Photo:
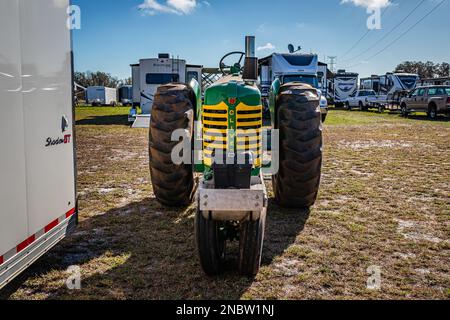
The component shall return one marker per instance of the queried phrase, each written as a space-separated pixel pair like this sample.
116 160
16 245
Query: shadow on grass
146 251
439 118
104 120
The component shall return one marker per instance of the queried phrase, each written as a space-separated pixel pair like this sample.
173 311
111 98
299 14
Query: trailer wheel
173 184
296 185
251 246
211 243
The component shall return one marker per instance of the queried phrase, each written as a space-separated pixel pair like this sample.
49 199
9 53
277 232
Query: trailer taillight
448 100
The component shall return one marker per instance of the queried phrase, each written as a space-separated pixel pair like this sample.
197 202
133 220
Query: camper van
37 164
344 85
149 74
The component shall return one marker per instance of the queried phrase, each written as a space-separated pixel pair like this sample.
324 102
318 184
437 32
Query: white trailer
101 96
136 82
37 163
344 85
390 88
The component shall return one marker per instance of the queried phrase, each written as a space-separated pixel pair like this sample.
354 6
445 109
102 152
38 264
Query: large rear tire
210 244
299 120
251 246
173 109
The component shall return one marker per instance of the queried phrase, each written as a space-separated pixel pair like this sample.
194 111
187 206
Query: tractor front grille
216 129
249 131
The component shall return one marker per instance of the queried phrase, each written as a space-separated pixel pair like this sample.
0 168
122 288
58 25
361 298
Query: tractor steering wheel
237 65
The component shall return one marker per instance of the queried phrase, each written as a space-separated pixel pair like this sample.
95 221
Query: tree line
99 78
425 69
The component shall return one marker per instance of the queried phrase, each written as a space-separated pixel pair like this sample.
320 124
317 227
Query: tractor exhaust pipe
250 47
251 62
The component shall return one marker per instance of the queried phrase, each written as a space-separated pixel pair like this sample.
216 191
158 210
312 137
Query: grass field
384 202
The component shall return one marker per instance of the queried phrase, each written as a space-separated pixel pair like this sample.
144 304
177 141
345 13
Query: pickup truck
362 99
433 100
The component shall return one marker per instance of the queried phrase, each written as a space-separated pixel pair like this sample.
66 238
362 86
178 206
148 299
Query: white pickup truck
362 99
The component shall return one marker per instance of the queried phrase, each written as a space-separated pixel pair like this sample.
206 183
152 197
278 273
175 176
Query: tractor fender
274 91
198 98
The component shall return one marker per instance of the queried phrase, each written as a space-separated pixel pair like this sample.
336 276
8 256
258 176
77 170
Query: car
362 99
433 100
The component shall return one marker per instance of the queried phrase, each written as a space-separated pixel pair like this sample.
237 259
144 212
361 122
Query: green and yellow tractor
211 149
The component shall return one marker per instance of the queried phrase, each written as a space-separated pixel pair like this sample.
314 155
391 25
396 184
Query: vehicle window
447 91
414 93
371 93
299 60
311 80
192 75
421 92
161 78
440 91
433 91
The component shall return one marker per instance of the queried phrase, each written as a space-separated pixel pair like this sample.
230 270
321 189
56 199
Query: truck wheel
361 106
173 184
432 112
251 245
296 184
404 111
210 244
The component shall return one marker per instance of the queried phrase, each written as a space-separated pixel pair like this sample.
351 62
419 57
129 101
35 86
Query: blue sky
116 33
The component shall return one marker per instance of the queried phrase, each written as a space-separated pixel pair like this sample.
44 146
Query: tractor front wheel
251 245
211 240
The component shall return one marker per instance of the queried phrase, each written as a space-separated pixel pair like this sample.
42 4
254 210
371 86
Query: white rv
101 96
292 67
37 162
388 86
136 82
149 74
344 85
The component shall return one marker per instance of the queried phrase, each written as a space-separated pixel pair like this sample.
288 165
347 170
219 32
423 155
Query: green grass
337 117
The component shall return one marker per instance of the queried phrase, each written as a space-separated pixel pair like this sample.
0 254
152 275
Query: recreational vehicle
389 87
149 74
293 67
37 164
344 85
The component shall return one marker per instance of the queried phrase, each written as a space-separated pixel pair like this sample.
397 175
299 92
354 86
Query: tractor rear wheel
251 245
296 185
173 106
211 241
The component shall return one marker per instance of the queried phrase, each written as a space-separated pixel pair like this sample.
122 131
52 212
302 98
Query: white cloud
369 4
267 46
180 7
